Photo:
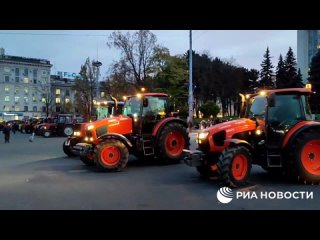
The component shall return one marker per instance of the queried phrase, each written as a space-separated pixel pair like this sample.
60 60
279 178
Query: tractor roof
291 90
151 94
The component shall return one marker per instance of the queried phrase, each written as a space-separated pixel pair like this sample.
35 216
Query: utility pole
190 99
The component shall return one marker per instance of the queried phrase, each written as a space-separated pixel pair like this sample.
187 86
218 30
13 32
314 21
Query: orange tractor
146 129
104 108
276 131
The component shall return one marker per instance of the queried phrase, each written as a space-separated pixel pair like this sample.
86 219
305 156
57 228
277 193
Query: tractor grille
218 138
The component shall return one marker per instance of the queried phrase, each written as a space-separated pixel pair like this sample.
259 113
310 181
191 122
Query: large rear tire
234 166
171 142
111 155
306 155
68 131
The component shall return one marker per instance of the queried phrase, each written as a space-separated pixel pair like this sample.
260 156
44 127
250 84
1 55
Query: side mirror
272 100
145 102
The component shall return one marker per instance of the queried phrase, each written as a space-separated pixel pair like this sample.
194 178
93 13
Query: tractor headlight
90 127
77 134
88 139
203 135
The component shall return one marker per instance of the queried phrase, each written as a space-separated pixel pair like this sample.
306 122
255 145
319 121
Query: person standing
6 131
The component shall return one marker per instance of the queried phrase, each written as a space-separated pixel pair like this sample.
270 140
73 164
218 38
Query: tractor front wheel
306 154
67 146
171 142
111 155
88 160
234 166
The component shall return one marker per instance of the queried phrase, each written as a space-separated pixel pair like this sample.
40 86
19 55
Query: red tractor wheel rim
110 155
240 167
310 157
174 143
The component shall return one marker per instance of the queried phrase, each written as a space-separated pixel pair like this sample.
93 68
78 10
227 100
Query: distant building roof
17 59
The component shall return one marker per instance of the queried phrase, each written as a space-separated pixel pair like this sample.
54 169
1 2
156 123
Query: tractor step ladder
147 145
274 157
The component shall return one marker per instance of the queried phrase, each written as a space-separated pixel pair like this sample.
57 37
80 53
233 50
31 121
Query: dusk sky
67 50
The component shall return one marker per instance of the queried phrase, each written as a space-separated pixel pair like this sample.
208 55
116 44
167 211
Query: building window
16 99
67 92
17 72
34 109
35 81
35 73
43 100
44 73
58 108
17 79
16 90
44 109
7 108
6 78
26 72
67 100
26 100
16 108
57 100
58 91
26 90
6 89
44 81
25 80
34 99
102 94
7 99
7 70
26 108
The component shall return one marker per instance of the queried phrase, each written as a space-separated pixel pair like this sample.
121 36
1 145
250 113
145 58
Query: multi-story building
62 94
308 43
24 86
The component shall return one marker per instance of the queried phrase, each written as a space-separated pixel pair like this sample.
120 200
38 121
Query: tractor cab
146 111
106 108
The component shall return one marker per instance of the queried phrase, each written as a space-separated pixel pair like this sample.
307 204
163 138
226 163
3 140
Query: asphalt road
38 175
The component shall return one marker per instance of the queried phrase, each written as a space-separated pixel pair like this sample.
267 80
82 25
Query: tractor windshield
256 107
104 112
132 106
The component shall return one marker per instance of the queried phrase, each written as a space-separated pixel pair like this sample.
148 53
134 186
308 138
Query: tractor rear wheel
234 166
68 131
111 155
47 134
171 142
306 155
87 160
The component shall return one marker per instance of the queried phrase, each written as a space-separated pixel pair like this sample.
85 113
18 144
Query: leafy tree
281 74
137 51
290 65
85 90
253 76
314 79
266 72
209 108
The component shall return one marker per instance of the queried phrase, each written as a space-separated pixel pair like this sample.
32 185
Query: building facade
24 87
308 43
62 95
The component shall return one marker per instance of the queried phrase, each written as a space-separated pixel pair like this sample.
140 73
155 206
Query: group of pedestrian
9 127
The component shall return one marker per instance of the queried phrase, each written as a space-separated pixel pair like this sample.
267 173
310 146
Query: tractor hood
232 127
119 124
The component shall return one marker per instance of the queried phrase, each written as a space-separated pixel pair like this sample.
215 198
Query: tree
281 74
84 87
210 108
46 95
314 79
253 76
137 51
290 66
299 80
266 72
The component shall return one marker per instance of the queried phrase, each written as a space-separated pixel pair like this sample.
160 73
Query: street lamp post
190 100
97 65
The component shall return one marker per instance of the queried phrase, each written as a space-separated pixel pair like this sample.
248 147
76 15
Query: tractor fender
296 131
239 142
116 136
160 125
